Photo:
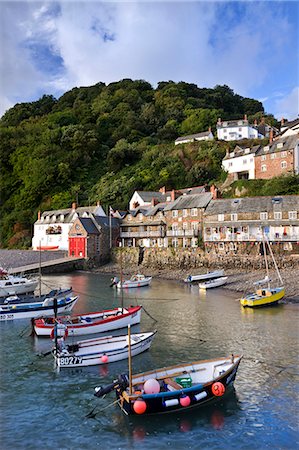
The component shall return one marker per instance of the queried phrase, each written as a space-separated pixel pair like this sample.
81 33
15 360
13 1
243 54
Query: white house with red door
51 230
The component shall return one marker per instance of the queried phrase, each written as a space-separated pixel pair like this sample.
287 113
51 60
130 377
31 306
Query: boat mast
40 270
121 280
130 359
275 263
266 260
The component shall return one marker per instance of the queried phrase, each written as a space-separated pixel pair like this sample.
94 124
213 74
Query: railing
142 234
250 238
181 233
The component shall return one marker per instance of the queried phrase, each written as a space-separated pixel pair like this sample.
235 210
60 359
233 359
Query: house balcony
142 234
250 238
182 233
54 230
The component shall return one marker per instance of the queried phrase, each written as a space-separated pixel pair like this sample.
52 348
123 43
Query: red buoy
139 406
218 389
185 400
104 359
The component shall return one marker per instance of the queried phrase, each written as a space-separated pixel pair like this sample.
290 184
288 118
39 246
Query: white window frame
264 215
194 212
292 215
175 242
273 155
185 225
264 157
175 213
263 168
220 217
185 212
284 164
277 215
234 217
283 154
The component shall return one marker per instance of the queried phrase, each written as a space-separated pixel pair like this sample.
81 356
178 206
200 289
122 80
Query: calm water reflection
42 408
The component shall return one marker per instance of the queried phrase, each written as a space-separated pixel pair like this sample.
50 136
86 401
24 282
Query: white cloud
288 107
153 41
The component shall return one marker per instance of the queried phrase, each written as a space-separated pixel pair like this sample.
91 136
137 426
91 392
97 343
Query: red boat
94 322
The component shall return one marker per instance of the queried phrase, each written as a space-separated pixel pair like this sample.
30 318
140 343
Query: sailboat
265 296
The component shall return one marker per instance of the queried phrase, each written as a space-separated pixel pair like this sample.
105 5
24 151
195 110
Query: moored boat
27 308
174 388
101 350
216 282
204 276
135 281
93 322
15 285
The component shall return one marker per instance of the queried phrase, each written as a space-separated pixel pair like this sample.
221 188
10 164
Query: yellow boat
263 297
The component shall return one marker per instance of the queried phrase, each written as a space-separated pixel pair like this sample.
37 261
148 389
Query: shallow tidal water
45 409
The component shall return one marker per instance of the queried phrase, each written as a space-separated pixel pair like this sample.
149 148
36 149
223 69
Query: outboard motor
114 281
122 382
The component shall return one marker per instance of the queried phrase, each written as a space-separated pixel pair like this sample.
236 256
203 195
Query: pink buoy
139 406
151 386
104 359
185 400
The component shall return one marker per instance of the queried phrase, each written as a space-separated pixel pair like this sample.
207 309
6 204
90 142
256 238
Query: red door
77 246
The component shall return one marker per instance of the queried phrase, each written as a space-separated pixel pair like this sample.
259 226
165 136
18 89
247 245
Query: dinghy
94 322
204 276
175 388
14 285
103 350
135 281
213 283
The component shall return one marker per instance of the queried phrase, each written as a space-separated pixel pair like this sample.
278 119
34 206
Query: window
185 212
240 129
194 212
244 161
230 164
280 145
175 243
264 157
234 217
283 154
220 217
273 155
263 215
283 164
277 215
292 214
185 225
266 149
264 168
175 213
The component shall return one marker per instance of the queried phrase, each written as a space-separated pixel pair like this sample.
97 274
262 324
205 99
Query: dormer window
247 150
47 218
232 154
129 217
168 198
175 213
266 149
54 218
42 218
61 217
240 122
280 145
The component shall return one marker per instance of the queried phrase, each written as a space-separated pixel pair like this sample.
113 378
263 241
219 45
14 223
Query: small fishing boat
216 282
204 276
175 388
32 307
15 285
135 281
94 322
266 296
103 350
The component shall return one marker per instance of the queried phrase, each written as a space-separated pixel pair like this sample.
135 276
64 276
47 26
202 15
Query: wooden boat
204 276
175 388
135 281
32 307
216 282
47 247
94 322
265 296
101 350
15 285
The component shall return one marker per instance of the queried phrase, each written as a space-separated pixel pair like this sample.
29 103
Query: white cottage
234 130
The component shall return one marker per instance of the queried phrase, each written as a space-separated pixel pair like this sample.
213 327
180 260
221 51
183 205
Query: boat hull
204 276
217 282
97 323
128 284
33 310
92 355
258 300
18 289
171 401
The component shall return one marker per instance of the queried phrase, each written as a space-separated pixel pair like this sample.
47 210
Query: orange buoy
185 400
218 389
139 406
104 358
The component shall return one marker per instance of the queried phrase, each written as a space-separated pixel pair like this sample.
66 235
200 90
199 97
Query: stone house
51 230
279 157
229 223
92 237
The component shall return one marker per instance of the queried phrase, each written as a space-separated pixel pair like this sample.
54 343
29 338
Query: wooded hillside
103 142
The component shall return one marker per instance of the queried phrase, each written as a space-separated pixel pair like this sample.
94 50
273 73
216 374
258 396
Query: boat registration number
70 360
6 316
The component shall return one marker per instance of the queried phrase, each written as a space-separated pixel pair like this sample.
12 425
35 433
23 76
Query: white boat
17 308
216 282
14 285
204 276
89 323
135 281
103 350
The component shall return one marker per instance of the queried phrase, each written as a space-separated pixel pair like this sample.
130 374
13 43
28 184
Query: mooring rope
92 414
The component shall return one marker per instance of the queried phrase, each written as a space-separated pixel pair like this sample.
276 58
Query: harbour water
43 408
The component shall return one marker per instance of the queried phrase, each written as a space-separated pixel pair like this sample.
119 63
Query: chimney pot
38 215
282 121
162 190
74 206
245 116
271 136
173 195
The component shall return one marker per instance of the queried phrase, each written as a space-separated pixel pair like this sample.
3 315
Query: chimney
173 195
255 122
162 190
227 151
245 116
219 121
38 215
271 136
74 206
210 129
282 122
98 204
214 191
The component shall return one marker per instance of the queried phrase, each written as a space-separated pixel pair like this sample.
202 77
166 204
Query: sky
51 47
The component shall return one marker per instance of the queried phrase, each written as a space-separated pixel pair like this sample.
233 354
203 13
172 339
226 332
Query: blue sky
51 47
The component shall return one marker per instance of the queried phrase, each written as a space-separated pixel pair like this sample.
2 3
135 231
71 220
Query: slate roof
290 124
88 225
147 196
288 142
67 213
193 136
190 201
105 222
240 151
234 123
253 204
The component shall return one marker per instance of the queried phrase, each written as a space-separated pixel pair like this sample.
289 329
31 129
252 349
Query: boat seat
173 384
